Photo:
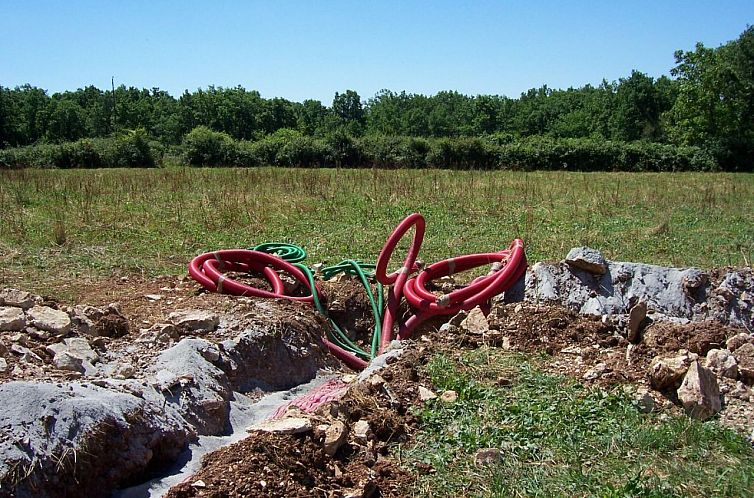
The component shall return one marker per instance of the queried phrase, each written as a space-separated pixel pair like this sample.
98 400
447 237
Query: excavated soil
274 465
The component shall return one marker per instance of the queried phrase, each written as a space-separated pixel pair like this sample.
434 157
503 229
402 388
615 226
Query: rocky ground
121 382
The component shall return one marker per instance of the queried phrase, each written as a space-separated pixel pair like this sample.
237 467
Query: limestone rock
587 259
449 396
722 362
636 317
3 365
596 371
288 425
668 372
75 346
361 431
335 435
51 320
745 357
66 361
425 394
739 340
488 456
475 323
195 320
699 392
16 298
12 319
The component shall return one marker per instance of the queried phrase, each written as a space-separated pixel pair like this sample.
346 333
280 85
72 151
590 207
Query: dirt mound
274 465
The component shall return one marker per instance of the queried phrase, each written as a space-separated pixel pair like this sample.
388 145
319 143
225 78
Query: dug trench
122 396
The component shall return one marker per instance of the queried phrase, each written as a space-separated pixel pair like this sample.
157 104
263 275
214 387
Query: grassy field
63 225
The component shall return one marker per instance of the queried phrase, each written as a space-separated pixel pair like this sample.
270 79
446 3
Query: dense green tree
715 103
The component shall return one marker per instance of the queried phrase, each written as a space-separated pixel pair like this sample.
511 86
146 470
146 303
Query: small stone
199 484
643 401
195 320
668 372
124 371
153 297
3 365
738 340
745 358
361 431
66 361
587 259
488 456
12 319
16 298
699 393
722 362
475 323
596 371
518 308
287 425
51 320
636 318
376 381
449 396
75 346
425 394
335 435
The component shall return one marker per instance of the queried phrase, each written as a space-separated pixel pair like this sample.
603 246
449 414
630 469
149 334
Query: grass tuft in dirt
559 438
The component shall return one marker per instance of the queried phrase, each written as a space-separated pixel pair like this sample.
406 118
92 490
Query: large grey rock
672 293
47 430
16 298
587 259
12 319
51 320
195 320
699 393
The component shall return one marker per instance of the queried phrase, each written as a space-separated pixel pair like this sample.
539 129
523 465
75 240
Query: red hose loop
386 253
397 279
478 293
208 269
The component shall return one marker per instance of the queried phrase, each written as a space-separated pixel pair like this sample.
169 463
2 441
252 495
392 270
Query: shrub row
130 150
289 148
203 147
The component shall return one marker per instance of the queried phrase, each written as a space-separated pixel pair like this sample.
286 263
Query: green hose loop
364 271
288 252
355 267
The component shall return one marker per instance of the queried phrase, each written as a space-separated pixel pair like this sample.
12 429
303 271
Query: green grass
559 438
58 225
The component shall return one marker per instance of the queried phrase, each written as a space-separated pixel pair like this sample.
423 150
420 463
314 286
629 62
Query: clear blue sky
311 49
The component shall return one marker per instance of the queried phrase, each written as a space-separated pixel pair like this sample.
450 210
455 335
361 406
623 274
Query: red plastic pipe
398 278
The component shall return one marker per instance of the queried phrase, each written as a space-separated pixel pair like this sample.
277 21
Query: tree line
708 103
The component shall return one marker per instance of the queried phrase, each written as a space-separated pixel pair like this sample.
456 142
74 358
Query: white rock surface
195 320
287 425
587 259
722 362
16 298
12 319
51 320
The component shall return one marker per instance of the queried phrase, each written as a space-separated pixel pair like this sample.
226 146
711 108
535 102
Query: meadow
65 225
